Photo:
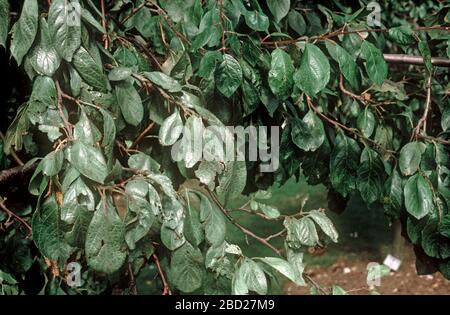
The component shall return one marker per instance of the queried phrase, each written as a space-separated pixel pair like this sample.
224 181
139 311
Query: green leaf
130 103
48 234
370 176
281 74
4 21
337 290
279 8
120 74
187 268
376 66
269 211
344 163
89 69
193 230
410 157
346 62
105 243
213 220
366 122
308 134
393 193
65 32
171 129
297 22
256 20
52 163
144 211
228 76
232 181
445 118
300 232
444 227
314 72
402 35
164 81
283 267
86 131
434 245
25 30
424 50
249 276
418 197
89 161
325 224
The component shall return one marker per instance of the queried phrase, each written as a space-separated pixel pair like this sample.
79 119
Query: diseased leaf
325 224
105 242
89 69
4 21
187 268
25 30
64 27
164 81
48 234
171 129
130 103
89 161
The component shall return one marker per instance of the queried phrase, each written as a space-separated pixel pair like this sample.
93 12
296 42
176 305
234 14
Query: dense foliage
110 94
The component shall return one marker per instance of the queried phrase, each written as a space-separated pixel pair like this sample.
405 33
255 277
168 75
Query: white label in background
392 262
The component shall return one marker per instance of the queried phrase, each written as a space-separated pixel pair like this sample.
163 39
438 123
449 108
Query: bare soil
351 275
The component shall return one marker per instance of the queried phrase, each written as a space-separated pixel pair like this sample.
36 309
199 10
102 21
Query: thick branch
415 60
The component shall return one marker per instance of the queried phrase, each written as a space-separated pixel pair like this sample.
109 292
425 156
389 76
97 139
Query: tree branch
240 227
422 121
163 278
15 216
415 60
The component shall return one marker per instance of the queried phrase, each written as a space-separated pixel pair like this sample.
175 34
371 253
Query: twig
105 36
341 32
423 119
15 216
142 135
347 92
163 278
222 26
240 227
67 124
133 12
13 152
315 284
132 285
343 127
